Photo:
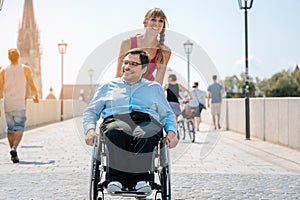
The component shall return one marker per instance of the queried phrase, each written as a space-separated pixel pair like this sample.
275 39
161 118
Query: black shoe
14 156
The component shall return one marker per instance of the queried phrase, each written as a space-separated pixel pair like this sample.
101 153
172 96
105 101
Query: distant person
197 103
173 88
13 82
215 93
151 41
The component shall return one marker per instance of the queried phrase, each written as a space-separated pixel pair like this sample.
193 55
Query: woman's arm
181 87
125 46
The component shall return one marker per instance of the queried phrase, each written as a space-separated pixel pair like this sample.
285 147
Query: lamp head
62 47
91 72
188 46
245 4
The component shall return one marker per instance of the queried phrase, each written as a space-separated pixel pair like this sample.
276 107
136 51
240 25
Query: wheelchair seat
159 174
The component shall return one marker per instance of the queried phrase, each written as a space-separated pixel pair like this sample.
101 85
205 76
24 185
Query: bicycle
186 122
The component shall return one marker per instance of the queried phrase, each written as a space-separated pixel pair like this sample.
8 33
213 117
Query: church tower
29 45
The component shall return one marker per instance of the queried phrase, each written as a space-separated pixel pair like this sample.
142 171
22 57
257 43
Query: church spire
28 16
29 45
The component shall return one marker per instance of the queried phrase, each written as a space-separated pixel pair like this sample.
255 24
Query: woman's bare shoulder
165 48
125 45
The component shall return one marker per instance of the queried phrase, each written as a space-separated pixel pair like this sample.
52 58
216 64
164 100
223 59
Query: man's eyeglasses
131 63
155 20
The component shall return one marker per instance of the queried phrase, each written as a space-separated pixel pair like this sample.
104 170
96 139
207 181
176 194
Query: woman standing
152 41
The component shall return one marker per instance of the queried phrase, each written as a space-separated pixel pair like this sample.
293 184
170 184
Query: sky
217 26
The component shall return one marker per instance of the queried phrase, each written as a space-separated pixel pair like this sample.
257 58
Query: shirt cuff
88 127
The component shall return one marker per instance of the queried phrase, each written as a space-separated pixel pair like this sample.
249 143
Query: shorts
15 120
175 107
215 108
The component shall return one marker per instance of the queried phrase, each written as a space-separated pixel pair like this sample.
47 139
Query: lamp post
62 48
188 46
1 4
91 73
245 6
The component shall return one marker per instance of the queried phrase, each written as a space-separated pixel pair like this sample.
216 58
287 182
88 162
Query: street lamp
1 4
62 48
91 73
188 46
245 6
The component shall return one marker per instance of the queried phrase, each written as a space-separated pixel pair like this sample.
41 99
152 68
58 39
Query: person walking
152 41
197 103
13 79
173 88
215 94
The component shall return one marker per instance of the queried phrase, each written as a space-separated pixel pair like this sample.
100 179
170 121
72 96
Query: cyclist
173 88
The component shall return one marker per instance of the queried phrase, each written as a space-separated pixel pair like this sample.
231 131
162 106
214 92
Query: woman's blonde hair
152 13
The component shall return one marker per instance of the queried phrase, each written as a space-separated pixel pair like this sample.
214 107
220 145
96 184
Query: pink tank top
149 76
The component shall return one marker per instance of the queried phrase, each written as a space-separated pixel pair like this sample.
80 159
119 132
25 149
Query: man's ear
145 69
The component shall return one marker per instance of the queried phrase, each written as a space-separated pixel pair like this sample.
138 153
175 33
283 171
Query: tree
235 87
231 86
282 84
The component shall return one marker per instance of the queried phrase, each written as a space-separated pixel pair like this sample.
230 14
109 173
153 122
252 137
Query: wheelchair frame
100 177
185 123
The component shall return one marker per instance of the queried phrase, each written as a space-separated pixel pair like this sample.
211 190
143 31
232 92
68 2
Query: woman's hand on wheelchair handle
171 139
91 137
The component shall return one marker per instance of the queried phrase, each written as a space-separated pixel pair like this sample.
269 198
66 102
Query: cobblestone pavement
55 164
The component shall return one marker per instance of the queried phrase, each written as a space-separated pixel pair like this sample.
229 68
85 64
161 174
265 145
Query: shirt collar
141 81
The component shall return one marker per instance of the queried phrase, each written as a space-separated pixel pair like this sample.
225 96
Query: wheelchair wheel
191 129
95 173
181 129
165 175
165 184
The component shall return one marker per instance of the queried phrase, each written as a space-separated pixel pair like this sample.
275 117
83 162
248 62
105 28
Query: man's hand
35 99
91 137
171 139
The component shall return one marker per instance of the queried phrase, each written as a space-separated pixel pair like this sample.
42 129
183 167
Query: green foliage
235 87
282 84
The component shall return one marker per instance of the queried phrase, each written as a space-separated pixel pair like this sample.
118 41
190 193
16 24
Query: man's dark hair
144 57
195 84
214 77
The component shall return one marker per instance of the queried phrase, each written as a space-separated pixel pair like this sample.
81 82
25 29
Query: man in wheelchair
135 112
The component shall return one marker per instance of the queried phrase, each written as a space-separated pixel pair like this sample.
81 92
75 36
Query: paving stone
55 164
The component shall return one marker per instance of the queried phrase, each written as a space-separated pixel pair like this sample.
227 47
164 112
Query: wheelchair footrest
130 193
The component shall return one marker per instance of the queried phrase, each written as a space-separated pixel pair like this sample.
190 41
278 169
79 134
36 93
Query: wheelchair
158 179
